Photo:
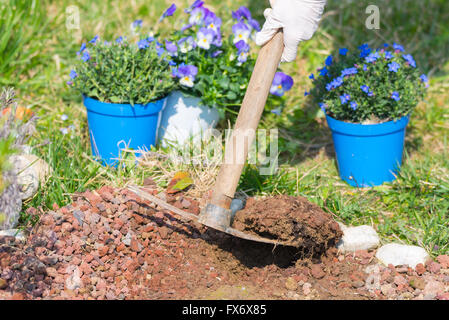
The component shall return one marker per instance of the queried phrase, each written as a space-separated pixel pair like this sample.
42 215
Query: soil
292 220
109 244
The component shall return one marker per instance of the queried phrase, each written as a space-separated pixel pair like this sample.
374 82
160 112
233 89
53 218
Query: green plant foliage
375 85
122 72
22 24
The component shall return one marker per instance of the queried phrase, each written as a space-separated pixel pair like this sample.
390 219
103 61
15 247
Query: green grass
414 209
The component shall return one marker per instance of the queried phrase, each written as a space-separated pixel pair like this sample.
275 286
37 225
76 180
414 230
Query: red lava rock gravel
109 244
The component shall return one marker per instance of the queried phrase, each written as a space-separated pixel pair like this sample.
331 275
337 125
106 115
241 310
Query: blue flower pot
368 154
114 127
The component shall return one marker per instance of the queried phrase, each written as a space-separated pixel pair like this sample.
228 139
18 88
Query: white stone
401 254
183 117
358 238
74 280
18 234
30 170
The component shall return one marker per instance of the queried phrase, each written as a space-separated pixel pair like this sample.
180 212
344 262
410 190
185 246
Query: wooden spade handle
248 119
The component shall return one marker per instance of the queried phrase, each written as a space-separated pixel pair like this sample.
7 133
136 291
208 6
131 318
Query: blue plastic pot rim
358 129
124 110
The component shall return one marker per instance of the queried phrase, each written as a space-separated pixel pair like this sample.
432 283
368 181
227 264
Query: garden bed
111 245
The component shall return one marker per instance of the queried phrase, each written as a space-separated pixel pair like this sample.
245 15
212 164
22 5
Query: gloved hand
298 18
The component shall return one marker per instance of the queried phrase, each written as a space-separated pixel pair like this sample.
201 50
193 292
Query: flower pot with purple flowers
124 86
367 97
212 67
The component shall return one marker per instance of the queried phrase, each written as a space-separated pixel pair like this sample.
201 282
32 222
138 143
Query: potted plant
367 98
212 71
124 86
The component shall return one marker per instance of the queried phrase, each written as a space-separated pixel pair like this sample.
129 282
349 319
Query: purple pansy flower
243 49
281 83
410 60
204 38
241 13
186 74
186 44
169 12
171 48
197 16
393 66
216 53
254 24
395 96
211 21
241 32
196 4
345 98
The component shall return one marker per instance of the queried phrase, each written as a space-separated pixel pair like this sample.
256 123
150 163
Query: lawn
414 209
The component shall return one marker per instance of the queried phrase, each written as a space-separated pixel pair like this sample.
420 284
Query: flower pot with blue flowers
368 97
212 69
124 87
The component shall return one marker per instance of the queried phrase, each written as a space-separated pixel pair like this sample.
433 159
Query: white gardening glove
298 18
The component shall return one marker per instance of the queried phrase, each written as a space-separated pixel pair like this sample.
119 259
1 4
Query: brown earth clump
289 219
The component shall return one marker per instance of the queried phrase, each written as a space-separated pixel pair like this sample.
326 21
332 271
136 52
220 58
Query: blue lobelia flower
353 105
323 106
86 56
425 80
169 12
328 61
410 60
186 74
372 57
277 111
119 39
343 51
395 96
196 4
281 83
204 38
349 71
94 40
306 93
388 55
365 88
365 50
336 82
312 76
243 50
241 32
323 71
73 74
83 47
143 44
393 66
398 47
345 98
186 44
365 67
136 24
171 48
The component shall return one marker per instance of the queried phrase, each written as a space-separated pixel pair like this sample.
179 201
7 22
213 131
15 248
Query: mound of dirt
289 219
